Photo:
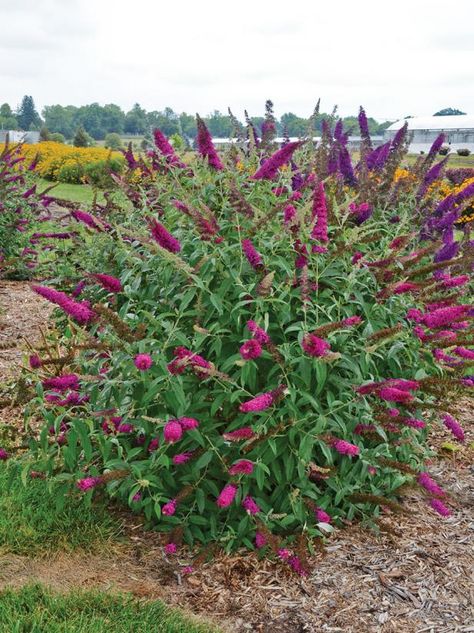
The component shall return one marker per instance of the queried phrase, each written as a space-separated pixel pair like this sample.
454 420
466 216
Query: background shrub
74 165
113 141
19 207
57 137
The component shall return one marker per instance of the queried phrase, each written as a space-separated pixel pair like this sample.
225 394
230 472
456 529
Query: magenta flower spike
269 169
111 284
206 147
251 349
163 237
320 215
259 403
143 362
226 496
253 257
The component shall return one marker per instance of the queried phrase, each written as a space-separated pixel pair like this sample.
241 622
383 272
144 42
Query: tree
7 118
45 134
167 121
383 126
113 141
219 125
90 117
113 118
448 112
81 138
136 120
187 124
295 125
27 116
6 111
61 119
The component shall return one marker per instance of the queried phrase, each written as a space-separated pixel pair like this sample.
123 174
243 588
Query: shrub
57 137
249 367
45 134
464 151
74 165
70 171
82 139
20 206
98 172
444 150
113 141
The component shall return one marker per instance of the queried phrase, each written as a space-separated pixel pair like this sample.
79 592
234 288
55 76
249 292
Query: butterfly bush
21 208
248 388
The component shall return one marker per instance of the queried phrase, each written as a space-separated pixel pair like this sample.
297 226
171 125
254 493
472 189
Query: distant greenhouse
353 142
458 130
18 136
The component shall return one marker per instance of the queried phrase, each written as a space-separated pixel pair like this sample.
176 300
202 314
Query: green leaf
204 460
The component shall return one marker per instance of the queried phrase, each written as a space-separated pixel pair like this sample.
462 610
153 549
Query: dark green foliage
45 134
135 120
7 118
99 120
81 138
57 137
27 117
206 310
448 112
113 141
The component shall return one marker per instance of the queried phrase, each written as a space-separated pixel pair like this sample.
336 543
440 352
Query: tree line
100 120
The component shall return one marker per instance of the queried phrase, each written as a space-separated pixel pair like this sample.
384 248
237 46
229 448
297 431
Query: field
236 392
455 161
83 194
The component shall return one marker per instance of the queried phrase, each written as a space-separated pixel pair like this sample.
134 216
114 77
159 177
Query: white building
18 136
458 130
353 142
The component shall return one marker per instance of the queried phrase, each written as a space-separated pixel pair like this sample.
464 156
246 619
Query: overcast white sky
396 58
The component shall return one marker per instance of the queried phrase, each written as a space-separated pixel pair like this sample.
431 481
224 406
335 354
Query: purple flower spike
164 237
269 169
206 147
253 257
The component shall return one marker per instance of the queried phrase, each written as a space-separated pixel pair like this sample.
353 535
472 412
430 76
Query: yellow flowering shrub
76 165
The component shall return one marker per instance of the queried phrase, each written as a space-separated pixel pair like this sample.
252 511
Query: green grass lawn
34 609
453 162
31 524
83 194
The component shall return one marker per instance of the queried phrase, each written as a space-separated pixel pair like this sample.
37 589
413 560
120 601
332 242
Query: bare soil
415 579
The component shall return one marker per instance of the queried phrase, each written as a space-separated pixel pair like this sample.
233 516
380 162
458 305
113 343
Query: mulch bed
22 313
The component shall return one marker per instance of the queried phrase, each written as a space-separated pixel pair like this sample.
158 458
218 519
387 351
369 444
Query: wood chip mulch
22 313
